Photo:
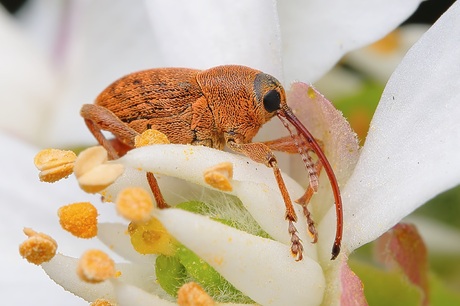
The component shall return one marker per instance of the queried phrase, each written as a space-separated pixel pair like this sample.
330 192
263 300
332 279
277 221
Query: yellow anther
191 294
101 302
134 204
93 172
150 137
95 266
151 238
80 219
54 164
219 176
38 248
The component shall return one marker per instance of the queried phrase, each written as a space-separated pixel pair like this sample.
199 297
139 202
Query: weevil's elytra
224 105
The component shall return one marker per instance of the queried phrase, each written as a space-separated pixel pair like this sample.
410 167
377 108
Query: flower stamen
38 248
219 176
191 294
54 164
101 302
80 219
150 137
134 204
95 266
93 172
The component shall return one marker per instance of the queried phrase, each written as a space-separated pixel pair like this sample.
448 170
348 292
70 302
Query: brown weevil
224 105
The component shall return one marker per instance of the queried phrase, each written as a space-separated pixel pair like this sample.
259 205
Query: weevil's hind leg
161 203
260 153
99 118
304 200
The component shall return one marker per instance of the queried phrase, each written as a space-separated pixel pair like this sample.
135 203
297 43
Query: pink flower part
352 288
403 247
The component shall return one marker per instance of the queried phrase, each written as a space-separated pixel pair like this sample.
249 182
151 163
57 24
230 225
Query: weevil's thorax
235 95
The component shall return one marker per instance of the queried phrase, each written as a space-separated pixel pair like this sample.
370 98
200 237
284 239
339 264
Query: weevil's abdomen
166 99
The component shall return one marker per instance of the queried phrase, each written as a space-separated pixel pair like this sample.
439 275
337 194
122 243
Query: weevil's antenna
287 113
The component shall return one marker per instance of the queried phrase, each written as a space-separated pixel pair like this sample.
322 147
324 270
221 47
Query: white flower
369 164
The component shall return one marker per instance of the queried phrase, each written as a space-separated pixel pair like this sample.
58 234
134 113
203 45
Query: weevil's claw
296 243
335 251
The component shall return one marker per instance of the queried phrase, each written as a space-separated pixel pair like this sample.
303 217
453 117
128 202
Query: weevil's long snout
285 113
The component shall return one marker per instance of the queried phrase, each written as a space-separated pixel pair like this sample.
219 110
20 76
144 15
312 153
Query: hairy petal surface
317 33
243 260
411 152
252 182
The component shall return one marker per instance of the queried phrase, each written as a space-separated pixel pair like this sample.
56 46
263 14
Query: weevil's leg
304 200
260 153
293 144
99 118
161 203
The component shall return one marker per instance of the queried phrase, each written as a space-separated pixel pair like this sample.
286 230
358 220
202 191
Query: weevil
217 107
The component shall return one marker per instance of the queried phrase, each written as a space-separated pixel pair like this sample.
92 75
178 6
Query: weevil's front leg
98 118
260 153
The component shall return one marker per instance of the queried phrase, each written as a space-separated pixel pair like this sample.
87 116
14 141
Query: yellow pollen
151 238
80 219
95 266
191 294
219 176
134 204
150 137
93 172
38 248
54 164
101 302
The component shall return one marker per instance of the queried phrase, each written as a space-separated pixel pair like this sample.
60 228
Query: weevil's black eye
272 101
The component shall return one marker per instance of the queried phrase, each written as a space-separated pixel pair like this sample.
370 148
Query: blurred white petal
317 33
438 236
104 40
205 33
411 152
380 60
243 259
27 83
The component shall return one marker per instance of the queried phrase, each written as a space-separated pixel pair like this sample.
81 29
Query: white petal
316 34
411 152
261 268
205 33
128 295
253 183
62 269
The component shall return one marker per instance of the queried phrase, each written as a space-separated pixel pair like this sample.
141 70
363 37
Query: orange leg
292 145
260 153
98 118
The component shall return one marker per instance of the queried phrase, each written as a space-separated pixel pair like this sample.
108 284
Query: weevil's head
270 94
